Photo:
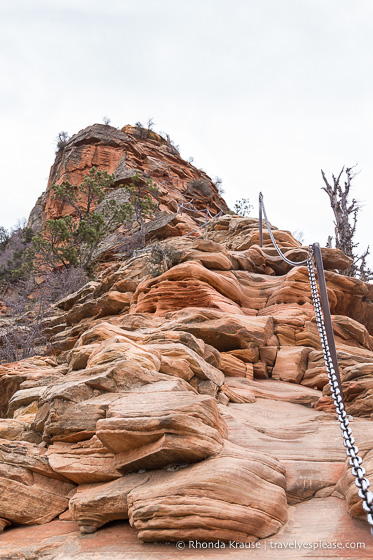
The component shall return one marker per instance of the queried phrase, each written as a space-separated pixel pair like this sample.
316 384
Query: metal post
260 221
207 218
326 312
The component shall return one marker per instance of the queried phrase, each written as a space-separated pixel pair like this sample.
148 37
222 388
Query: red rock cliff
122 152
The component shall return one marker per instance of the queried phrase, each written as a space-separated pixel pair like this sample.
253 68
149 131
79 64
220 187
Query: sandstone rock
276 390
236 395
79 356
351 332
314 521
146 433
187 285
222 330
233 367
112 303
260 370
195 503
119 347
80 296
149 373
23 455
4 523
335 259
179 360
347 484
357 386
291 364
316 375
285 430
213 261
163 226
37 502
95 505
122 152
10 429
32 493
248 355
76 421
305 479
83 462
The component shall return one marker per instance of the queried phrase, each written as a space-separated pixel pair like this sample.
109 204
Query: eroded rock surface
191 402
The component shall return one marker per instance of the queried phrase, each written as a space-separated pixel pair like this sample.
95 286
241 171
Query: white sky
262 93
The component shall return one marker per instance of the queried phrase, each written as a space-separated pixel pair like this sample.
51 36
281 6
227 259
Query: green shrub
16 255
243 207
73 239
162 258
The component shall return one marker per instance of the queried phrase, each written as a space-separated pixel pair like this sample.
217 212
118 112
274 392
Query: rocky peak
191 400
123 152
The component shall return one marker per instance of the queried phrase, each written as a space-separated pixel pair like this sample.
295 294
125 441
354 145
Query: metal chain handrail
324 325
262 209
204 225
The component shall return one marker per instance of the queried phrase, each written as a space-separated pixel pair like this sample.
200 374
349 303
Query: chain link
292 263
352 451
357 470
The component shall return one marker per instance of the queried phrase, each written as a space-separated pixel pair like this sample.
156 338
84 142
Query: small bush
162 258
140 131
132 242
62 140
200 185
218 182
172 147
243 207
4 238
15 253
22 335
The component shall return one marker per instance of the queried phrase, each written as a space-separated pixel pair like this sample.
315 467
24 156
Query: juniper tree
73 239
142 195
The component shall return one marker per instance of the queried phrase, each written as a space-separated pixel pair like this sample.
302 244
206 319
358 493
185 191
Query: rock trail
189 406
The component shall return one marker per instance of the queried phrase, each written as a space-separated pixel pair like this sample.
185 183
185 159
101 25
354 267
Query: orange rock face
123 152
189 399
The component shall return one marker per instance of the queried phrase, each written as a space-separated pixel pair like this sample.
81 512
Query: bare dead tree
27 308
346 217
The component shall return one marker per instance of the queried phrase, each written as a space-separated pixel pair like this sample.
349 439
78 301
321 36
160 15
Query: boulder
204 501
31 492
83 462
291 364
94 505
148 433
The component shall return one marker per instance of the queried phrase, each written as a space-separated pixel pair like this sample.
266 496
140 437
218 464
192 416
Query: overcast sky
262 93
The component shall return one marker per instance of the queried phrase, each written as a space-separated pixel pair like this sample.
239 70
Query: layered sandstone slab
200 501
291 364
223 331
83 462
237 495
357 386
318 523
145 432
94 505
31 492
273 390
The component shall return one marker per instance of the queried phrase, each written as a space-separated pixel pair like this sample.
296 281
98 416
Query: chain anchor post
260 220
